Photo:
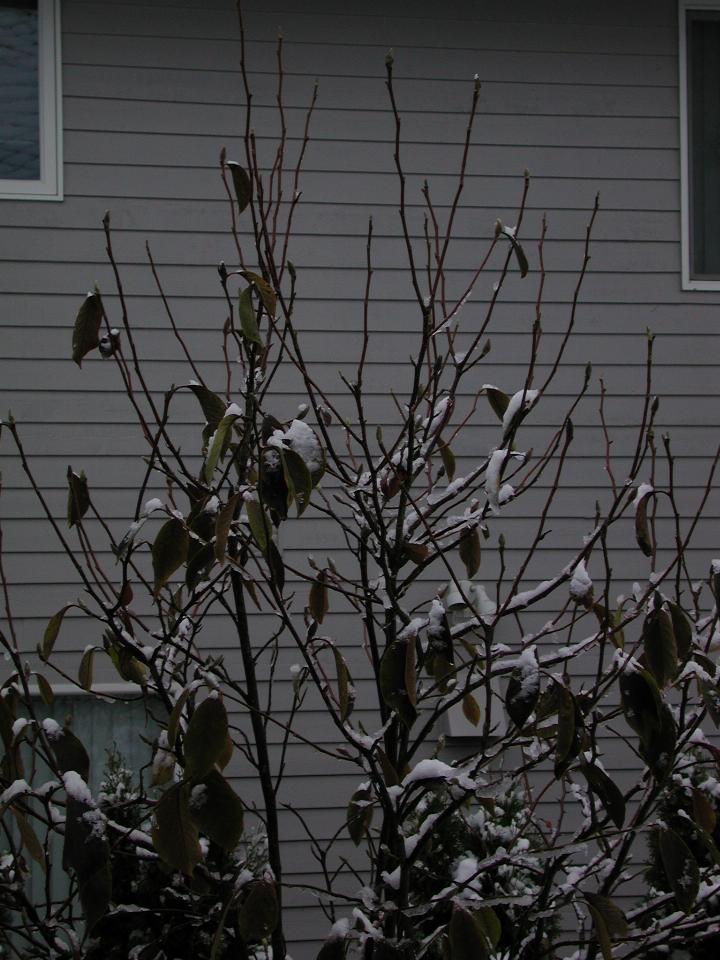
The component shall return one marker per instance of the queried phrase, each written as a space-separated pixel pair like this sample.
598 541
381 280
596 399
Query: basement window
30 114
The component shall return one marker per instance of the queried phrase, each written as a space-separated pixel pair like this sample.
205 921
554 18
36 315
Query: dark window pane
704 119
19 100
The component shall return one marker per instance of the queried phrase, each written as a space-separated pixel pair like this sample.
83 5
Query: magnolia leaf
393 685
258 916
220 441
345 690
46 691
640 699
471 709
212 405
298 479
607 791
467 936
259 524
523 691
223 522
242 184
642 527
266 292
85 670
498 401
204 741
682 630
359 814
469 548
86 333
78 501
520 256
227 752
128 666
276 565
169 551
609 922
248 320
332 949
29 839
614 918
704 812
660 647
390 774
87 852
568 740
680 867
174 719
174 834
448 459
217 810
69 752
51 631
318 600
417 552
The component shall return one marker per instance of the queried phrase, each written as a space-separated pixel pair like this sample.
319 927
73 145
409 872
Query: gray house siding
583 95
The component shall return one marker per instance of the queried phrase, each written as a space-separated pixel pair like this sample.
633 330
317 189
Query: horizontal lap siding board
583 95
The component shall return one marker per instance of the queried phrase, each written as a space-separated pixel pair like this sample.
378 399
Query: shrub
604 673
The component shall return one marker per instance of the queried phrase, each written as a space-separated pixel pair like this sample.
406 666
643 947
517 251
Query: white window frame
50 184
688 281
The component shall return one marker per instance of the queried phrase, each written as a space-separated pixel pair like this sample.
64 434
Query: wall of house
583 95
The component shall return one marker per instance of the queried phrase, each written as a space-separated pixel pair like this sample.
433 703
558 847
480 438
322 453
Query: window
30 114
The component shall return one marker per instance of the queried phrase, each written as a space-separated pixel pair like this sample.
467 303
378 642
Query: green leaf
680 867
248 320
213 407
87 852
223 522
259 524
682 630
69 752
51 632
220 441
169 552
318 599
650 718
266 292
78 501
205 738
470 937
498 401
174 718
217 810
359 814
471 709
298 479
469 548
85 671
704 812
448 459
660 647
520 256
46 691
609 922
276 565
242 184
523 691
346 695
259 915
642 527
607 791
29 839
568 731
86 333
174 834
393 685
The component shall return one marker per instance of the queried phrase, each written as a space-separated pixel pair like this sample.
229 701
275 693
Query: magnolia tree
453 855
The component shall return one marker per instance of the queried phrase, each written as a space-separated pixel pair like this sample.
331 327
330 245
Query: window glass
19 92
